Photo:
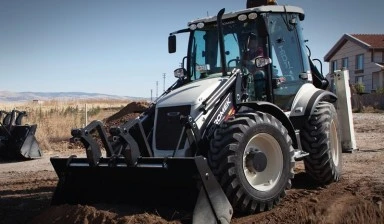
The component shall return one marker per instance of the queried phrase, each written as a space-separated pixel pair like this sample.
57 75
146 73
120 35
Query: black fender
275 111
305 105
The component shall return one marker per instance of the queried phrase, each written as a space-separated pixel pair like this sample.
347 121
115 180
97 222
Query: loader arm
85 136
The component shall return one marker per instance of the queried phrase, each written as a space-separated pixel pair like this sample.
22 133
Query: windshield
205 57
273 36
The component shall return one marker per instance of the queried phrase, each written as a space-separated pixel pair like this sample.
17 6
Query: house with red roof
363 56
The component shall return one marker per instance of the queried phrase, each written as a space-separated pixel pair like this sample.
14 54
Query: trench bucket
183 183
19 143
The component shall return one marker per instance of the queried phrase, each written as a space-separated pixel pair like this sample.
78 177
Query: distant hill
6 96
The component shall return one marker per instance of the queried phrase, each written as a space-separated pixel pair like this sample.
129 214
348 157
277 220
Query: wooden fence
364 101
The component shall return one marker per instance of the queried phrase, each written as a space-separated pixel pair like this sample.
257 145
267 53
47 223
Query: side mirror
306 76
262 61
179 73
303 75
171 44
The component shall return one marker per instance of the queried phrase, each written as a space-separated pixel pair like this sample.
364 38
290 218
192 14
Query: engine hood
192 93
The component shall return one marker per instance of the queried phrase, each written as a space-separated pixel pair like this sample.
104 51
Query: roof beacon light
272 2
257 3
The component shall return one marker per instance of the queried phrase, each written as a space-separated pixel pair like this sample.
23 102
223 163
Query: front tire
320 137
251 154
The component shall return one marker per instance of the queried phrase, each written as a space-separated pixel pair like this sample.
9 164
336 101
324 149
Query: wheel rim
268 178
334 143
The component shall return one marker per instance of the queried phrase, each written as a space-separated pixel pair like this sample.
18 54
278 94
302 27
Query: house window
360 62
359 79
334 65
377 57
344 63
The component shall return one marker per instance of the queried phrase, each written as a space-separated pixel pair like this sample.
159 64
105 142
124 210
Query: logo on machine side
219 117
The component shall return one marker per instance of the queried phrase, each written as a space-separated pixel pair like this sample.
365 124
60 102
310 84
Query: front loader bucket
19 143
30 148
182 183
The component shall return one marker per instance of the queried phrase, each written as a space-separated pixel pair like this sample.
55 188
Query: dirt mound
344 202
339 203
129 112
64 214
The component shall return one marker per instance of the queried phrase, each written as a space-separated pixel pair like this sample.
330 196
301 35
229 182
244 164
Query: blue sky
119 47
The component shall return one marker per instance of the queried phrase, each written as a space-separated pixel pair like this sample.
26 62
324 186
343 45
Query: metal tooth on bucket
17 141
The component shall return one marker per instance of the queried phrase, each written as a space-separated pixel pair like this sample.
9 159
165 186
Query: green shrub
380 90
94 111
359 87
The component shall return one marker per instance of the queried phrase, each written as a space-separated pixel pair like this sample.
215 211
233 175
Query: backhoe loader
224 138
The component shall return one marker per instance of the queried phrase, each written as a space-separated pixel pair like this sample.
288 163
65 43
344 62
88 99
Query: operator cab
264 42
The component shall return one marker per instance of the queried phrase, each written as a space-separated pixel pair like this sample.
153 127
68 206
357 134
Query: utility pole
86 115
157 88
164 82
151 96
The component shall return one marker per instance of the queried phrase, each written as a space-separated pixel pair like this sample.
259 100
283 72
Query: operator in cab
254 50
256 76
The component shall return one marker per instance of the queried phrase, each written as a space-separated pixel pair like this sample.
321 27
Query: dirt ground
27 187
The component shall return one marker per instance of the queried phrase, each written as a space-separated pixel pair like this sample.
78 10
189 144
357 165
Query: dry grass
55 119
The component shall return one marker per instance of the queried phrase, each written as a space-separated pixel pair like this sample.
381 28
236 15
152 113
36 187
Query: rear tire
252 157
320 137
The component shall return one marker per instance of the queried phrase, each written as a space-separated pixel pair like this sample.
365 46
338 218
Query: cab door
289 59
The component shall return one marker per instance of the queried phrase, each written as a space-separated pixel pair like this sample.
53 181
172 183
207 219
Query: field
55 119
26 187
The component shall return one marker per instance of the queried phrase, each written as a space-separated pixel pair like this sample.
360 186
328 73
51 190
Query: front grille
169 127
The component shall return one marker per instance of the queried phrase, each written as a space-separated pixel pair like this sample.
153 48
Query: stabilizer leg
212 204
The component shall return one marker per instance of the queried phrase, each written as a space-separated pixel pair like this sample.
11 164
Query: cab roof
260 9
